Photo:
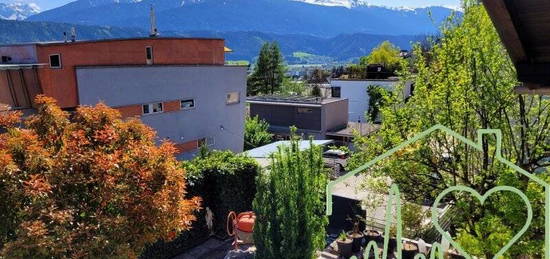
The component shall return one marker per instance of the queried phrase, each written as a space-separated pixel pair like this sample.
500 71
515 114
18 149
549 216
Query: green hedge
225 182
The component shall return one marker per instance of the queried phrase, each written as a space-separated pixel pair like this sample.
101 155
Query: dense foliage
466 82
91 186
269 71
377 99
385 54
256 133
225 181
289 204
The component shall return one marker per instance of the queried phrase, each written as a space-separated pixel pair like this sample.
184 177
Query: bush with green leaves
256 133
289 204
225 181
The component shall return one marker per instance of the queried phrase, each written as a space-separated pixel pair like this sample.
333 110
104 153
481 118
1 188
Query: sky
49 4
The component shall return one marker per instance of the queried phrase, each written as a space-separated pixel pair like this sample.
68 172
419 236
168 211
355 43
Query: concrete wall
356 92
336 115
20 54
286 116
208 85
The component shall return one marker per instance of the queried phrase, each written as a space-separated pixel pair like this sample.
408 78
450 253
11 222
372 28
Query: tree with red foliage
91 185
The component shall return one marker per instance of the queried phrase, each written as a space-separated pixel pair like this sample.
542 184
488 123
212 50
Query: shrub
225 181
256 133
92 186
289 204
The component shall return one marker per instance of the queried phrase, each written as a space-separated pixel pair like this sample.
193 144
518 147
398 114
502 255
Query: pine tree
269 71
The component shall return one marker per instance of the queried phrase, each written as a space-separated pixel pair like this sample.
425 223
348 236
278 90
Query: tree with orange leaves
91 185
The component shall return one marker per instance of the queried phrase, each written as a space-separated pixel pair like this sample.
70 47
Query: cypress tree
289 204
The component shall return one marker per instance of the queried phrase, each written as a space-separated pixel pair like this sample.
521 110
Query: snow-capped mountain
343 3
326 18
17 11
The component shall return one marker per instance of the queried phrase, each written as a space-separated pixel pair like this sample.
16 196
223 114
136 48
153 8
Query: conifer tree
289 204
269 71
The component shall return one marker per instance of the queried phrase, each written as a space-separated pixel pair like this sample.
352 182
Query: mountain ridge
17 10
245 44
276 16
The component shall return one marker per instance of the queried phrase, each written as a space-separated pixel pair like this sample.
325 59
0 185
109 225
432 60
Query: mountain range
308 31
324 18
296 48
17 11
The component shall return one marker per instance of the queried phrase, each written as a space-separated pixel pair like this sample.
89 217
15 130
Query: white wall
356 92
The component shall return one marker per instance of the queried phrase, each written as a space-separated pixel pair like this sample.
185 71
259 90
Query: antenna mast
154 31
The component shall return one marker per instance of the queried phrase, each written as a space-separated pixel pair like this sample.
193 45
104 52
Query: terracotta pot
409 250
357 240
372 235
345 247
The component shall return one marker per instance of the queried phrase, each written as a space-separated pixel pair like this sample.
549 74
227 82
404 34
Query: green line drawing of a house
477 146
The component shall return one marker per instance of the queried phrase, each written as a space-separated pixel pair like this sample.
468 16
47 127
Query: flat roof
364 128
49 43
390 79
267 150
292 100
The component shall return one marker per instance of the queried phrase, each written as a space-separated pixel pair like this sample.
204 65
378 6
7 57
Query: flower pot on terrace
345 247
372 235
357 240
392 245
409 250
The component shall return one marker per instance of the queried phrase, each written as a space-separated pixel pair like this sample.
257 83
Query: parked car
336 160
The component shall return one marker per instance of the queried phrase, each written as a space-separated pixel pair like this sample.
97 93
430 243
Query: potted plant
344 245
374 199
357 238
372 235
409 250
392 244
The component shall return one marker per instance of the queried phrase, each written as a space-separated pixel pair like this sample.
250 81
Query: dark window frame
339 91
59 65
187 100
149 54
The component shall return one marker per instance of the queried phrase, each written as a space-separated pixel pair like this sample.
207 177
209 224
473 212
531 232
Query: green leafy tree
385 54
256 133
316 91
292 87
269 71
377 99
465 82
289 204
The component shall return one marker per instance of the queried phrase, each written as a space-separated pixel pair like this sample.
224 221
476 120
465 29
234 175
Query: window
152 108
55 61
6 59
233 98
305 110
149 55
336 92
187 104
